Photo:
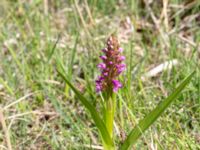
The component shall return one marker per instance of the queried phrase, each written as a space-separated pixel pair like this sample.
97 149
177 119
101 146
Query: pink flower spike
111 67
101 66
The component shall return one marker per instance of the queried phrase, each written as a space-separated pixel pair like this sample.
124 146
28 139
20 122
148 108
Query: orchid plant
110 68
108 85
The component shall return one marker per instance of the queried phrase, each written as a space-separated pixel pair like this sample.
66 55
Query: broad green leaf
95 116
153 115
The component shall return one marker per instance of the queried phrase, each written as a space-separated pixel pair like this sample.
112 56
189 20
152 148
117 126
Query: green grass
35 36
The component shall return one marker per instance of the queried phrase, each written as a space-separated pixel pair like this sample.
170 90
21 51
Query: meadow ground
41 112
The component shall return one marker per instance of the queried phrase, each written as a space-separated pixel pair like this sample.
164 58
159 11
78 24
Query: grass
41 112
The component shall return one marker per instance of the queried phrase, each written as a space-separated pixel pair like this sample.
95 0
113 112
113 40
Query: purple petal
116 85
105 73
121 58
120 49
103 57
115 89
98 88
101 66
110 62
100 79
104 50
121 68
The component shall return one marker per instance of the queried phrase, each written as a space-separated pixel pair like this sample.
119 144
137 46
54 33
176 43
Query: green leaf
95 115
153 115
53 48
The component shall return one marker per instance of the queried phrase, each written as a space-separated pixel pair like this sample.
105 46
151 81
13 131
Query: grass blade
95 116
71 64
53 48
153 115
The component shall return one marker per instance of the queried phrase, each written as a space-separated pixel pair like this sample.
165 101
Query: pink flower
104 50
110 62
120 49
101 66
111 66
103 57
99 84
98 88
121 68
116 85
105 73
122 58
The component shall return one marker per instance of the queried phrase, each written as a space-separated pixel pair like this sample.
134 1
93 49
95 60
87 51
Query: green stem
109 117
110 111
108 147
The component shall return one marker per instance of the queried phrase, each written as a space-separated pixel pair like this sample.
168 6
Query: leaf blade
95 116
153 115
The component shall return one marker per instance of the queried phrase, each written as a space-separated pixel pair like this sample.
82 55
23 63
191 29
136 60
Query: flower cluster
111 66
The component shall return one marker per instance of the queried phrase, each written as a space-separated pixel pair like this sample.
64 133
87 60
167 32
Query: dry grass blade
5 130
19 100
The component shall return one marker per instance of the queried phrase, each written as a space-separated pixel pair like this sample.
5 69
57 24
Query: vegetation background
38 111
